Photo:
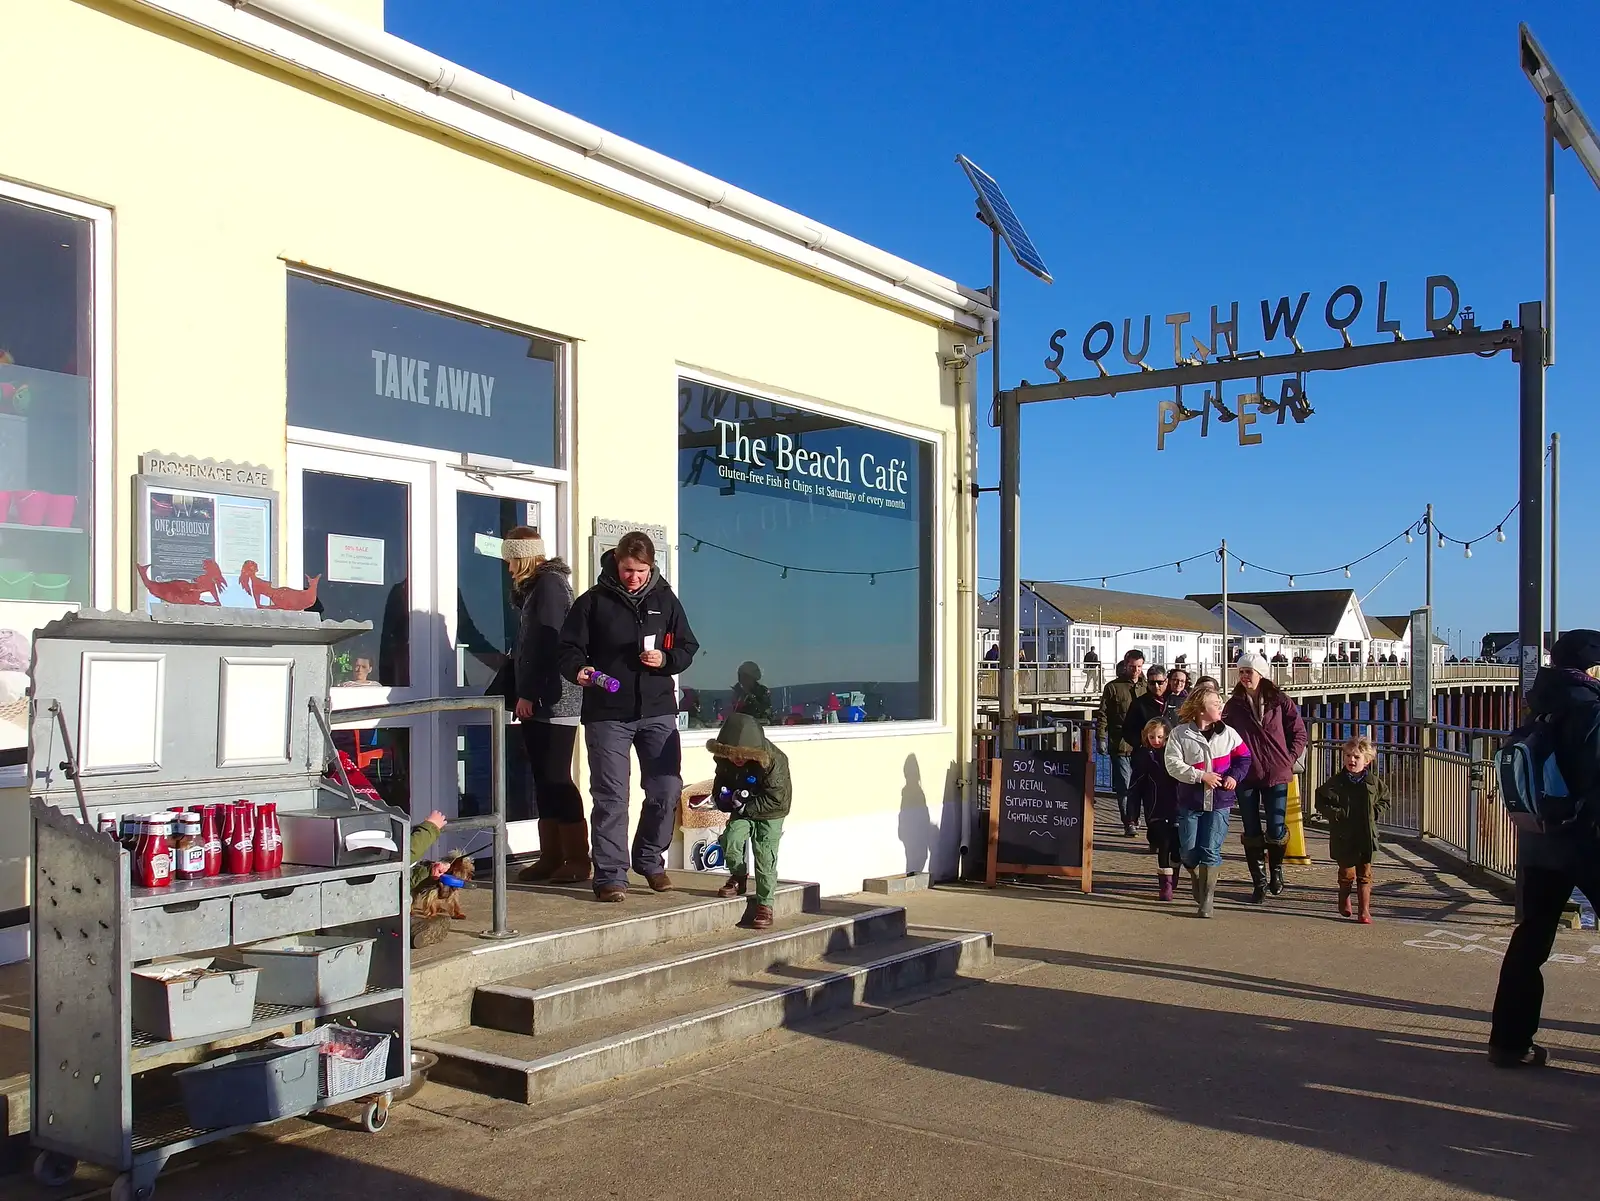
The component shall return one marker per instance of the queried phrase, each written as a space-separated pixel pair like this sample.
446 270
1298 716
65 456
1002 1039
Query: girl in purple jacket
1208 759
1156 793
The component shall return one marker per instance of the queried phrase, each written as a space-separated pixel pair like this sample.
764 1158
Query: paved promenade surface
1120 1049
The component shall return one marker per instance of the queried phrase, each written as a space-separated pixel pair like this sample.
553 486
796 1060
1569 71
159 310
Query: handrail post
1425 742
497 790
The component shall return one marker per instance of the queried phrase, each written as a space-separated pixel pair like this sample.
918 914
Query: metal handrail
496 819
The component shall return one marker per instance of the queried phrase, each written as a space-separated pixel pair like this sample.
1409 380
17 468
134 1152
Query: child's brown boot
1364 897
1347 882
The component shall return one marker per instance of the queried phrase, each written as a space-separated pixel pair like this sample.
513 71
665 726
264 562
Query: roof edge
317 40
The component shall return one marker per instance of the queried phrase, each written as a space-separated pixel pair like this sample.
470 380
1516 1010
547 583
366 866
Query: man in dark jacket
1554 862
631 627
752 784
1115 740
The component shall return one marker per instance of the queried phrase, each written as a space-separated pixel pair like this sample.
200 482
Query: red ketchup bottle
211 837
269 839
156 856
238 839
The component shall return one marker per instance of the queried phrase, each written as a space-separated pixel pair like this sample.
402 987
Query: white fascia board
318 41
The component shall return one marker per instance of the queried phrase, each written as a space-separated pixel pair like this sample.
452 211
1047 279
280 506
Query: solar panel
1004 218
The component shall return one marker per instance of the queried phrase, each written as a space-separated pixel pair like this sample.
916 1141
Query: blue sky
1165 157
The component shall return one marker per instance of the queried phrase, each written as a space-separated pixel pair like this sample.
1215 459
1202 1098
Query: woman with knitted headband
547 706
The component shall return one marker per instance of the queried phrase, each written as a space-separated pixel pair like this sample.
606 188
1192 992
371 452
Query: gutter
317 39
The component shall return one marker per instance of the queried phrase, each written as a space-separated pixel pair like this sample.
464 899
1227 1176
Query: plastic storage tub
350 1060
189 998
249 1087
51 586
16 585
310 969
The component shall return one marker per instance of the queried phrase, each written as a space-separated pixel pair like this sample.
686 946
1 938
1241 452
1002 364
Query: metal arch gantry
1525 341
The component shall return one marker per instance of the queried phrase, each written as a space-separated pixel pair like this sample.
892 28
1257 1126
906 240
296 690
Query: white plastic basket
337 1074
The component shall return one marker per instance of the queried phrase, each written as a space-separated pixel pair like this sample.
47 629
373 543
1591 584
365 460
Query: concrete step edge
530 997
971 946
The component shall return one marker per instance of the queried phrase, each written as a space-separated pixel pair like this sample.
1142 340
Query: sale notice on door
353 560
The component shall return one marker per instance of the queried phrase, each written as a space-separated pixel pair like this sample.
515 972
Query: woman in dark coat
547 706
1271 725
630 627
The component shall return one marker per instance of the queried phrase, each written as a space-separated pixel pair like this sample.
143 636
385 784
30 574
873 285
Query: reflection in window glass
486 618
805 554
357 540
383 755
46 356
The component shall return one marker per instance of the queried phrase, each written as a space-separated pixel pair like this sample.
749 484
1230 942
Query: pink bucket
59 510
31 506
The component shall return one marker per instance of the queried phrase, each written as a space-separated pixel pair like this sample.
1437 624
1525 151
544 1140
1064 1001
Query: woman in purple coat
1270 723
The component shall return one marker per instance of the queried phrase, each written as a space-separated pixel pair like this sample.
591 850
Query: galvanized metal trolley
135 714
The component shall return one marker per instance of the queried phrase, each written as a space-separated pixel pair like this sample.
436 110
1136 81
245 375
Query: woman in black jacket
630 627
547 706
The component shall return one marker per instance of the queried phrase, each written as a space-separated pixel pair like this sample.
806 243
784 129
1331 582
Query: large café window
805 552
46 513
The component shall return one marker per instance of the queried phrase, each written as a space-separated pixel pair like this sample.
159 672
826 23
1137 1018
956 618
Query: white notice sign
353 560
487 545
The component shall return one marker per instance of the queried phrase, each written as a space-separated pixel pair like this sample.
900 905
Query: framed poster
200 522
1041 816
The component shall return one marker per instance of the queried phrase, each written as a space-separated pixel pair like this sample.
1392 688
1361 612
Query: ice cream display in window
44 439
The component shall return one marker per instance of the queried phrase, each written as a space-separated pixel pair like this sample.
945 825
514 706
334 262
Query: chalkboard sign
1041 815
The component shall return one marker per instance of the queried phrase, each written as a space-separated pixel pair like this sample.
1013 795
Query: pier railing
1441 780
1053 681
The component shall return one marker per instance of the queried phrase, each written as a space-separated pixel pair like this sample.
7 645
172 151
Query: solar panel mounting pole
1009 413
1530 485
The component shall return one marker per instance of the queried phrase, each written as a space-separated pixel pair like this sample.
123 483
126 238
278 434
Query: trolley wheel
123 1189
375 1116
53 1170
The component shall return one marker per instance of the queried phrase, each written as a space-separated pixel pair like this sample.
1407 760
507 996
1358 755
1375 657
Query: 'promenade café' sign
1343 308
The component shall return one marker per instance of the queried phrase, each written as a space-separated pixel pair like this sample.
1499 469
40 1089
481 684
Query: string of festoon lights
785 568
1417 529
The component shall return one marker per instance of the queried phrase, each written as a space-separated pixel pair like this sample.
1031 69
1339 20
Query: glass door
480 625
365 533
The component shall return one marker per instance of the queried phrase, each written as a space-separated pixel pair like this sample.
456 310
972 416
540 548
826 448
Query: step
531 1068
543 1002
579 930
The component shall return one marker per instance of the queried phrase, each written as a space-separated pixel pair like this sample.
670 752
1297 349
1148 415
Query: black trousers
1545 893
1164 841
549 748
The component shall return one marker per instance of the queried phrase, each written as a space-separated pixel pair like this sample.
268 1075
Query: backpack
1532 787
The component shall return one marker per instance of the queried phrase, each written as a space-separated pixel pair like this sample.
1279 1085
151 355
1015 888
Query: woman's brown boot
575 867
552 854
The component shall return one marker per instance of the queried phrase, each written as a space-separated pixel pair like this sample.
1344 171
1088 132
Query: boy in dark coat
1157 795
752 784
1351 802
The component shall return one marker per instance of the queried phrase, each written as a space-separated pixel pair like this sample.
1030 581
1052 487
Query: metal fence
1441 781
1441 784
1062 679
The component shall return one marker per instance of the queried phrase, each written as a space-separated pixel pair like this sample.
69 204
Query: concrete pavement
1119 1049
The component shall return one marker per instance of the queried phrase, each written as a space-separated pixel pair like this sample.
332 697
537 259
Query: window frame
935 439
102 553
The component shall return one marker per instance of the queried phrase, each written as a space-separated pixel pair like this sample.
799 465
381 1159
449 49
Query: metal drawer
360 899
182 928
276 912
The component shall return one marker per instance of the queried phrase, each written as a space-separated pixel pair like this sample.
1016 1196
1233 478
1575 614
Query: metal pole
1010 414
1222 675
1428 595
1530 486
1550 232
1555 536
497 791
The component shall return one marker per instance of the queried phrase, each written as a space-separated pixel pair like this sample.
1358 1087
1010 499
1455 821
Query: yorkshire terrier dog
439 895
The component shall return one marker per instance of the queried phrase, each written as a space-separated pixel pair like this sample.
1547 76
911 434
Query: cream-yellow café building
278 286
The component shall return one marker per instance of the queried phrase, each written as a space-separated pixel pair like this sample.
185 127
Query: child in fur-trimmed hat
751 784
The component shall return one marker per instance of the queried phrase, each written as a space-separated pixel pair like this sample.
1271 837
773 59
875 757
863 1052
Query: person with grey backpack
1558 845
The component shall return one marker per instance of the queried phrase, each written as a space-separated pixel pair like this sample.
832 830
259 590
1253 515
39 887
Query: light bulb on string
1347 573
873 580
1499 533
1441 541
1291 581
1102 581
1241 566
1408 536
785 573
1468 555
697 545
